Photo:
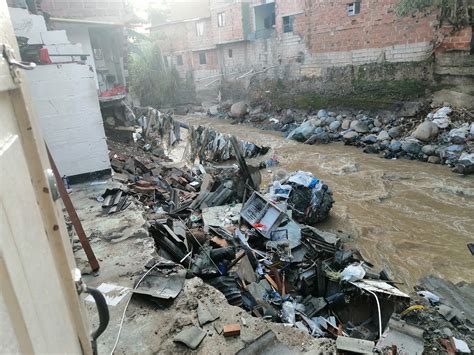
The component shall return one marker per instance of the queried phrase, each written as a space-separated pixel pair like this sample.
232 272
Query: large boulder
395 146
411 146
303 132
429 149
239 109
426 131
334 126
350 136
383 136
360 126
395 132
322 114
320 136
346 124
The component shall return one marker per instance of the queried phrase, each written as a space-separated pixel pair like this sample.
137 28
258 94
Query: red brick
231 330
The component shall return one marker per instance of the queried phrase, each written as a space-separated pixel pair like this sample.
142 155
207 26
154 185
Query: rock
471 130
322 114
214 110
426 131
333 126
386 120
319 136
377 123
328 120
332 114
385 144
395 146
360 117
370 139
239 109
411 146
375 130
303 132
383 135
429 149
465 164
346 124
434 159
339 117
360 126
350 136
317 123
372 149
395 132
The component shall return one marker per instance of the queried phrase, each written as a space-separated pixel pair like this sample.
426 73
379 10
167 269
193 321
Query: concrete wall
64 95
67 107
80 35
98 10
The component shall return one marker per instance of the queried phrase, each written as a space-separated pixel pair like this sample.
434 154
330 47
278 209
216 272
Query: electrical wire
379 312
126 306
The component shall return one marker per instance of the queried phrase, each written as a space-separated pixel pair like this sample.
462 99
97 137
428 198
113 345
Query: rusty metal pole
71 211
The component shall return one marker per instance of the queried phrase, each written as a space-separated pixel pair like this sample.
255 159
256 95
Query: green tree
454 12
155 82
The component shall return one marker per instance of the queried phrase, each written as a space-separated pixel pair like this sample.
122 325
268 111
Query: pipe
104 315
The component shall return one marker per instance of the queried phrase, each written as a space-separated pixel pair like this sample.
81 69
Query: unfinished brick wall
233 29
330 29
194 41
459 40
111 10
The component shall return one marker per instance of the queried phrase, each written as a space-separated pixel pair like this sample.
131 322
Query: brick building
297 38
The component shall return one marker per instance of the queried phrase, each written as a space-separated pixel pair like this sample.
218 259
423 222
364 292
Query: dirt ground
123 247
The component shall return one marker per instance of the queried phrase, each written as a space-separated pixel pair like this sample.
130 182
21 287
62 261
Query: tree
454 12
155 82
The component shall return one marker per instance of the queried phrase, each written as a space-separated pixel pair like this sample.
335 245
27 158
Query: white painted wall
65 98
80 35
69 115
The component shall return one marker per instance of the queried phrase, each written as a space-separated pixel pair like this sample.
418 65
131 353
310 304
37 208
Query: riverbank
438 136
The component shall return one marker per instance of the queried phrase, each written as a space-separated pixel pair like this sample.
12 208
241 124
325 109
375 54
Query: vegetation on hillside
457 13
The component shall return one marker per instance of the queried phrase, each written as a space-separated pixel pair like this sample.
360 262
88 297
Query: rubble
261 250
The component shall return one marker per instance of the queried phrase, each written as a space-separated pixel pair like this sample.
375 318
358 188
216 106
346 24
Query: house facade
296 39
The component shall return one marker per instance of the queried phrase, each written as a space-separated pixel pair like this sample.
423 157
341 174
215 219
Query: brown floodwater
407 217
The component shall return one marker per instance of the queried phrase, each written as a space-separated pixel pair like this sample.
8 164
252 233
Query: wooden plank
71 211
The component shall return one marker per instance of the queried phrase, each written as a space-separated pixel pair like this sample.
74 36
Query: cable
126 306
380 313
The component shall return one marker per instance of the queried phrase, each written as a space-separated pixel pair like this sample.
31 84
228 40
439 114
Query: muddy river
407 217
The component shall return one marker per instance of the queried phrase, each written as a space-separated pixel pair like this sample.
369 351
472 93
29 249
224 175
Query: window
353 8
230 53
288 24
199 28
179 59
221 19
202 58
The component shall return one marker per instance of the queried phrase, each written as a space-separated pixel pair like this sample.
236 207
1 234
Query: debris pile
261 250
